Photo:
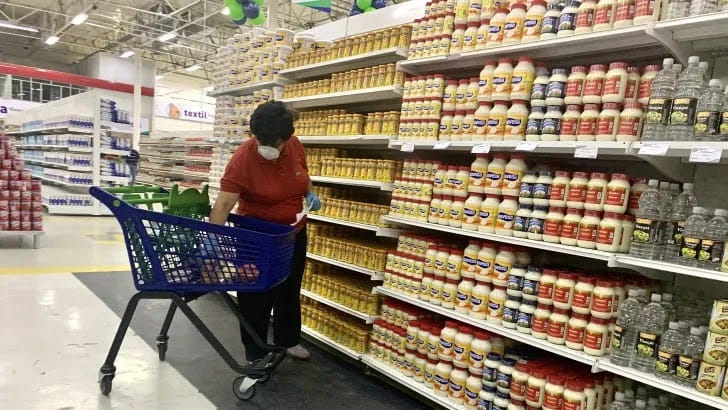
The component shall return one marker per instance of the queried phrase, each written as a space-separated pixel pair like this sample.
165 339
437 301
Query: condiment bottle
497 28
550 23
588 228
615 83
594 85
588 121
502 79
567 19
522 79
604 17
485 83
575 85
533 20
585 17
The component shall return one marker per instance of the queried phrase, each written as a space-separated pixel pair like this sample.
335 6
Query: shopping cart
179 258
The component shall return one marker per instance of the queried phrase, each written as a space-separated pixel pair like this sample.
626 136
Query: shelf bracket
680 52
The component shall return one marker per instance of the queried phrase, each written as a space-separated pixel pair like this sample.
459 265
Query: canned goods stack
337 285
21 205
363 78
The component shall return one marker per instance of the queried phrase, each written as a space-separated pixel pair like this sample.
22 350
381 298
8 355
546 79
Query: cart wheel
264 379
162 350
239 392
105 384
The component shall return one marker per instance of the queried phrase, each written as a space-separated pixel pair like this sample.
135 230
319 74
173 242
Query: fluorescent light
127 54
7 24
52 40
167 36
193 67
79 19
225 11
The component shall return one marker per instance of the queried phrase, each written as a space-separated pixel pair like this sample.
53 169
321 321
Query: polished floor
60 306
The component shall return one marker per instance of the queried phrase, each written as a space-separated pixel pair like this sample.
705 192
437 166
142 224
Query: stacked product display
21 206
339 328
168 161
332 162
350 246
370 77
337 285
339 122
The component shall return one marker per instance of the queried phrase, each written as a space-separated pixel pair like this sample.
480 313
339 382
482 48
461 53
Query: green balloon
369 9
258 2
258 21
236 9
364 4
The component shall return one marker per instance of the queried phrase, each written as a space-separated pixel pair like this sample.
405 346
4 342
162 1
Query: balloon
258 2
363 4
252 10
379 4
241 21
258 20
236 10
243 2
369 9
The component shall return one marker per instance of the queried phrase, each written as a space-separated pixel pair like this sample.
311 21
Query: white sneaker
298 352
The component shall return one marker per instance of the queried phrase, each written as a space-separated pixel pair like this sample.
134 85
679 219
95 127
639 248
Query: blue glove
313 201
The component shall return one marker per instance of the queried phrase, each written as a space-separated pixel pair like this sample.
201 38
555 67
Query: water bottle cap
656 297
664 185
688 186
721 212
695 331
715 83
674 325
693 60
667 61
653 182
619 395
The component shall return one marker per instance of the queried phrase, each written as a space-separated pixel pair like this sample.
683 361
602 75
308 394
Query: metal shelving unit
375 275
368 319
385 56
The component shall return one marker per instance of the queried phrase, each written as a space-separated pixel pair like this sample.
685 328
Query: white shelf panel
384 186
45 147
64 130
328 342
385 56
382 140
546 147
118 152
366 95
529 243
342 222
120 180
48 164
247 89
482 324
375 275
706 26
338 306
681 149
55 181
632 262
69 210
117 127
408 382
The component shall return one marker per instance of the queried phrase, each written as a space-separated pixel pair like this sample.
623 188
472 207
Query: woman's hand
313 201
225 203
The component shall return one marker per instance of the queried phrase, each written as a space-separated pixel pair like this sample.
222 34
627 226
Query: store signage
182 111
12 106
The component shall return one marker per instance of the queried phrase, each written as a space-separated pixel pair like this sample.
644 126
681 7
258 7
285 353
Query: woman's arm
223 205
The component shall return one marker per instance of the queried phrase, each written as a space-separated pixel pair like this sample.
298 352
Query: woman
267 177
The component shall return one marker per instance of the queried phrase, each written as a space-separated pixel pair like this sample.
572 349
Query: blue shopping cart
178 258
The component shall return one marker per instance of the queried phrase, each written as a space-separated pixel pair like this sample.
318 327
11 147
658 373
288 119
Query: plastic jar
559 189
449 96
490 369
627 230
567 19
594 85
523 76
496 126
501 400
525 193
461 348
479 348
496 304
585 17
574 397
445 133
422 337
646 11
456 213
542 188
503 264
588 121
570 123
486 397
575 85
575 329
496 28
457 39
485 83
482 38
442 378
639 185
536 223
550 23
520 223
540 322
480 121
502 77
536 388
556 89
624 13
461 11
418 368
554 393
570 226
473 386
583 295
609 234
443 254
546 286
510 312
588 228
557 326
433 344
506 215
551 125
488 214
535 123
470 37
513 174
457 125
596 337
552 225
447 340
471 211
577 190
644 90
471 94
530 283
615 83
595 192
604 17
426 287
513 28
633 79
435 204
449 293
436 290
602 299
608 122
460 182
533 20
478 170
630 122
505 373
516 120
525 316
519 381
540 85
564 291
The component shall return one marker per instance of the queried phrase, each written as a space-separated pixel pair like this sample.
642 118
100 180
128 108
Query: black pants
284 299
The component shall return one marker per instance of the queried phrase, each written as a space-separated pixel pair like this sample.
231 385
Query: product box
719 317
710 379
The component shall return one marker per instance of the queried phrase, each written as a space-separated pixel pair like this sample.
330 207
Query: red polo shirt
269 190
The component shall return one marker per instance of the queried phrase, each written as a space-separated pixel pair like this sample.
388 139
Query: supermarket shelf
369 319
247 89
110 178
376 275
346 139
64 130
704 31
604 364
482 324
529 243
385 56
545 147
410 383
117 127
632 262
44 147
55 181
197 159
357 225
330 343
384 186
366 95
681 148
110 151
57 165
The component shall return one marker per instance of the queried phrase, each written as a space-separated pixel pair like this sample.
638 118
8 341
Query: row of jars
382 170
370 77
365 254
339 328
358 212
340 288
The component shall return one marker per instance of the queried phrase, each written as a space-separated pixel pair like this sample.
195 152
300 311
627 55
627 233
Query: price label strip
526 146
586 151
407 147
441 145
482 148
705 155
658 149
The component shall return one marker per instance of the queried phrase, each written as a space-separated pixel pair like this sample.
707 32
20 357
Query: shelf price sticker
441 145
526 146
407 147
654 148
586 151
706 155
482 148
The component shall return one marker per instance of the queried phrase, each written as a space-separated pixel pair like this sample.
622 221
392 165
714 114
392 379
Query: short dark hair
272 122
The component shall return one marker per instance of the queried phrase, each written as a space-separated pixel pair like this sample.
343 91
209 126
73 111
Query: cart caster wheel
240 392
162 350
105 384
264 379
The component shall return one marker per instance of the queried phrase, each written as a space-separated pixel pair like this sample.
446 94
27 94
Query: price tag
482 148
654 148
706 155
441 145
586 151
526 146
407 147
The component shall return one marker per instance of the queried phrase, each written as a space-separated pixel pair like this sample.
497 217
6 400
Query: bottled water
678 8
658 107
618 403
665 224
707 118
642 298
624 337
692 237
704 66
647 222
711 248
681 209
629 398
653 404
685 102
665 402
723 129
669 307
640 404
698 7
669 351
649 327
691 353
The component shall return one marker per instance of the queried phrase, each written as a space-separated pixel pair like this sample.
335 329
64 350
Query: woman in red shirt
267 178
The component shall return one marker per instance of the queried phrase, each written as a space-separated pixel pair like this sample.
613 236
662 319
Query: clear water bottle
677 9
618 403
711 248
692 237
650 327
653 403
704 66
658 107
647 222
668 353
640 404
691 354
698 7
669 306
681 210
707 118
723 128
624 337
685 102
665 225
629 398
665 402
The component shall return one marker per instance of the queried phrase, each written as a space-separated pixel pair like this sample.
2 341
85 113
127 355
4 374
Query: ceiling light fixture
7 24
127 54
225 11
52 40
79 19
167 36
193 68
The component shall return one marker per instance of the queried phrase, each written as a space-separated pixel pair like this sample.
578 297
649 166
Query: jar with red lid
519 381
596 337
540 321
557 326
603 299
609 235
570 226
564 290
575 329
608 123
570 123
546 286
583 295
574 397
575 85
617 194
536 388
615 83
588 228
577 190
554 393
559 189
595 192
594 84
645 84
630 122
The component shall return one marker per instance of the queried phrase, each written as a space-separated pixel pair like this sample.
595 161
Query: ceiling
114 26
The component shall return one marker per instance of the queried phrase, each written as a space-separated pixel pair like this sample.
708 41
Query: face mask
269 153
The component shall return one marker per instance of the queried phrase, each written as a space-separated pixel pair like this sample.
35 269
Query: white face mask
269 153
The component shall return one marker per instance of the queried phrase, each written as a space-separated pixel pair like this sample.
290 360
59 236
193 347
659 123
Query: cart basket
183 255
